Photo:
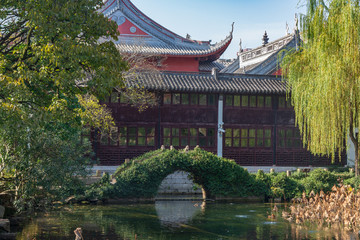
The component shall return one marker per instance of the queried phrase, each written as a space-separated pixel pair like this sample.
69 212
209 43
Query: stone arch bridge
218 177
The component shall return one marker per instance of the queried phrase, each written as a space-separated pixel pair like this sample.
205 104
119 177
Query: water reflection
172 220
175 213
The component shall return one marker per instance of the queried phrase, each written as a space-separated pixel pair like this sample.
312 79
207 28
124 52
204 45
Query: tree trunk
356 160
355 140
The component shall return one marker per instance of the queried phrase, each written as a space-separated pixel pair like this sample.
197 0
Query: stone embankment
5 226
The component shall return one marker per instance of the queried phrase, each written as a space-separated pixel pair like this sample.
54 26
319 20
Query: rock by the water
16 221
8 236
4 225
70 200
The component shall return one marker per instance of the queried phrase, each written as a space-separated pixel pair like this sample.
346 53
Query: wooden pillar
275 109
158 127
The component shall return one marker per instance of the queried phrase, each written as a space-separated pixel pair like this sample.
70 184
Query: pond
171 220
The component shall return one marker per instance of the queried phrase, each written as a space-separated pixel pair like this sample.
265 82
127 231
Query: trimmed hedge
217 176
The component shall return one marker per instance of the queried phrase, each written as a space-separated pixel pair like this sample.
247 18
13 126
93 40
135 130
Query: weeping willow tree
324 77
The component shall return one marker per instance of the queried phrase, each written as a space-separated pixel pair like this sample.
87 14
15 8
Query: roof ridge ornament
232 29
287 29
240 44
296 28
265 39
297 32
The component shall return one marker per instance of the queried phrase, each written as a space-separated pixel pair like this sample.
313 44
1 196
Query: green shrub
265 178
318 180
137 160
298 175
353 182
263 183
285 187
344 175
99 190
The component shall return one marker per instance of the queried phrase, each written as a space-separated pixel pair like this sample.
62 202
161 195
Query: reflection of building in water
173 213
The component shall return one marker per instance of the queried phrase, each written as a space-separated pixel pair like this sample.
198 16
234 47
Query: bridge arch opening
179 183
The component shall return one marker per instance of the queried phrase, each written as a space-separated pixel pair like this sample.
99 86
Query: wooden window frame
289 138
184 136
241 137
187 99
122 139
85 135
286 106
231 102
119 96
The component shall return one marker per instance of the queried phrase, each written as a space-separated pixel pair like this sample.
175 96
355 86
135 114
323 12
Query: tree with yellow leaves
324 77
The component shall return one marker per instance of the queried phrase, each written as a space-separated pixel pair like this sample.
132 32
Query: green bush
345 175
318 180
263 183
285 187
353 182
298 175
99 190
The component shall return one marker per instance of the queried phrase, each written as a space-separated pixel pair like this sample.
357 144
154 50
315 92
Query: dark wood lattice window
283 103
182 137
117 97
85 135
289 138
114 97
167 98
109 138
192 99
248 137
130 136
248 101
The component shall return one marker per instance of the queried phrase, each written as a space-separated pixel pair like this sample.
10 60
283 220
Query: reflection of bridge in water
175 213
179 200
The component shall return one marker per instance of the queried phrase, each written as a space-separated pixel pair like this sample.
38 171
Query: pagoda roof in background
209 83
140 34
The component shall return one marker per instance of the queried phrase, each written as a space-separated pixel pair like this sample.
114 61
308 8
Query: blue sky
212 19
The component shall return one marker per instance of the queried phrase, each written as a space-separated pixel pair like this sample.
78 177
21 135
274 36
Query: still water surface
170 220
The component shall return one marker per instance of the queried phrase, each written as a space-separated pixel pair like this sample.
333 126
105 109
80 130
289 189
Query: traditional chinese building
140 34
238 112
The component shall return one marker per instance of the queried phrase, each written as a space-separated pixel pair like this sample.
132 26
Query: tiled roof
246 69
208 66
206 82
231 68
163 48
157 40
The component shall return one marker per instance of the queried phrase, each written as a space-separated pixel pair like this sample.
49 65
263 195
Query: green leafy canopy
56 61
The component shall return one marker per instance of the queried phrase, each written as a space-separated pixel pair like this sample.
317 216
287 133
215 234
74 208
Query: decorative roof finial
287 29
265 39
296 28
232 28
240 44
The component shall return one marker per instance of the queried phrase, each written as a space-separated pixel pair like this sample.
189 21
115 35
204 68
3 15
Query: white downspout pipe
221 130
